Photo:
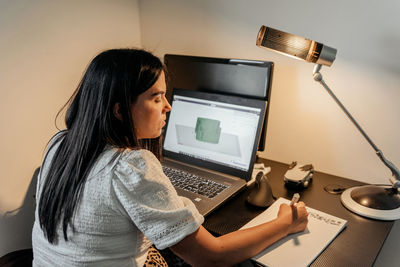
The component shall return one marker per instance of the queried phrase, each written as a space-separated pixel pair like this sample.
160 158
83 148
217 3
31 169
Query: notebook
213 137
299 249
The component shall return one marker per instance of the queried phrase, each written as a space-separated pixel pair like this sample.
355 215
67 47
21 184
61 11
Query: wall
304 122
45 47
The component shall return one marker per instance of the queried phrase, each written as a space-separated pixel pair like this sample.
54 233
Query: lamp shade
295 46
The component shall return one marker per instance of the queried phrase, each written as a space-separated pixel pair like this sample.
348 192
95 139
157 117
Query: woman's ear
117 111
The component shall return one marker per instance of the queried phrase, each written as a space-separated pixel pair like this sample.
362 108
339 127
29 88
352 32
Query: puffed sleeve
150 200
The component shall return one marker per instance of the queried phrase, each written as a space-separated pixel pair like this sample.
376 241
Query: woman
103 198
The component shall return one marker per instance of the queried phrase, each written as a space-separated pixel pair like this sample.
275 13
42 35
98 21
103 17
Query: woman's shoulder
138 155
138 169
51 148
137 160
123 162
57 137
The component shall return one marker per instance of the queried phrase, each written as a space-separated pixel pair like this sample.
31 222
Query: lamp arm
395 179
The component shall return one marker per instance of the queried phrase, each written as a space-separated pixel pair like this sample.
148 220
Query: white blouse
127 204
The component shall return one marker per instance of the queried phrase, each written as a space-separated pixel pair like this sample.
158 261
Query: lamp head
295 46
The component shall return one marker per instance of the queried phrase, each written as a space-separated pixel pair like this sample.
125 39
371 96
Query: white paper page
302 248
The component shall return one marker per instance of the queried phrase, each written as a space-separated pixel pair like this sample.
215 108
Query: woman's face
150 109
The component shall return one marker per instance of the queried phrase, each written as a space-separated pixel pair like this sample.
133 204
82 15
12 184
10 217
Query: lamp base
372 201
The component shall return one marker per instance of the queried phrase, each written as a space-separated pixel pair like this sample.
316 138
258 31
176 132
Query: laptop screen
214 131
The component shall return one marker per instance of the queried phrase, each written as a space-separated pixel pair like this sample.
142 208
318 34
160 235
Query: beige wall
305 124
45 46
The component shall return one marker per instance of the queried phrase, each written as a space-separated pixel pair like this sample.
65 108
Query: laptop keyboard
193 183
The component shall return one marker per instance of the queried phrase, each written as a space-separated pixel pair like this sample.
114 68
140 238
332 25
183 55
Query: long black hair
113 76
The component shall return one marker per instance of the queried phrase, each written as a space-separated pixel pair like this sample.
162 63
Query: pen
295 198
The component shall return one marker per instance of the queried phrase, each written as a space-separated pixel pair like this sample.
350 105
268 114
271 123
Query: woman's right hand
295 217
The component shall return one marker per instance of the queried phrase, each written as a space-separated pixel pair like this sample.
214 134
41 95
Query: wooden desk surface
358 245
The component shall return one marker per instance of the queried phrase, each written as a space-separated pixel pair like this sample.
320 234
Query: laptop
210 145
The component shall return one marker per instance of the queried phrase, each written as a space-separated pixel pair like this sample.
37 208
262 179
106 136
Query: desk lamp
372 201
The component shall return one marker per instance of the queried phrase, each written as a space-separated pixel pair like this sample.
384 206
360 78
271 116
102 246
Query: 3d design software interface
214 131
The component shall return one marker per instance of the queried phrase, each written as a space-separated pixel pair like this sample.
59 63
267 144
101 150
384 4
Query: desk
359 243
